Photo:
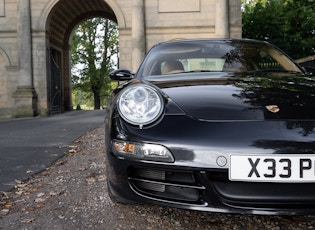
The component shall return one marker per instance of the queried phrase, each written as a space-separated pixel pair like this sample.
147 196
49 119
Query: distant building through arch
35 41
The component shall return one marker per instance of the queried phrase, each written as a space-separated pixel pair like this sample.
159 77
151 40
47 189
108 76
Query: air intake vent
170 185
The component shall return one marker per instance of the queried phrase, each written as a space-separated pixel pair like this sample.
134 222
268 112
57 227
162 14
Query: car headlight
142 151
140 105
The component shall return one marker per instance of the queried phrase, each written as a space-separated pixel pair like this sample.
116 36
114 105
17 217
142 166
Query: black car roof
245 40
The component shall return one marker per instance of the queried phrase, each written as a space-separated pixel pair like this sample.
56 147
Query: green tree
289 24
94 56
300 27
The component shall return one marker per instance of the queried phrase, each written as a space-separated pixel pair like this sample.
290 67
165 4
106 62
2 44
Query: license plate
272 168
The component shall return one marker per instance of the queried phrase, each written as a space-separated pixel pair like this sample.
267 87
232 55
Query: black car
215 125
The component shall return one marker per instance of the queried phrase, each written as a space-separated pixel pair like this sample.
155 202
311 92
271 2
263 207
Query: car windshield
215 56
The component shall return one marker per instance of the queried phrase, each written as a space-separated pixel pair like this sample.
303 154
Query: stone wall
8 56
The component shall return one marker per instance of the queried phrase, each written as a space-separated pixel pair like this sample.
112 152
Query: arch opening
94 55
64 17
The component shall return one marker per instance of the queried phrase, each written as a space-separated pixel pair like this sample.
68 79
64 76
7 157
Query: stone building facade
35 41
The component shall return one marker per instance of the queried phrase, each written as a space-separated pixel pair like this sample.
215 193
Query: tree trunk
97 101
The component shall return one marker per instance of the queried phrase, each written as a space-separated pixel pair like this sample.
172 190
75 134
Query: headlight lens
141 151
140 104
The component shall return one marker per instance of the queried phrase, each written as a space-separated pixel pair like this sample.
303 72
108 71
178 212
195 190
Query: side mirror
121 75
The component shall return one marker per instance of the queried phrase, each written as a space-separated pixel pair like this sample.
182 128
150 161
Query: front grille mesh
174 186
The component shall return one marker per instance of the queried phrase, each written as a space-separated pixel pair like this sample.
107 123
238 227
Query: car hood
263 97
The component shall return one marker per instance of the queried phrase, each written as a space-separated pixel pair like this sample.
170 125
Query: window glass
214 56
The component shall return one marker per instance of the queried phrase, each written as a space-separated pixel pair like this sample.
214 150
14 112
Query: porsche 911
220 125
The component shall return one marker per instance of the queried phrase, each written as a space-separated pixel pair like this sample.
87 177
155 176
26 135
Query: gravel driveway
72 194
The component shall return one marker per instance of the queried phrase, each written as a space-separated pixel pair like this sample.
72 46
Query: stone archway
64 16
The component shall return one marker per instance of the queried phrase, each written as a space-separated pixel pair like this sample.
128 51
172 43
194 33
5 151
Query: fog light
150 152
155 151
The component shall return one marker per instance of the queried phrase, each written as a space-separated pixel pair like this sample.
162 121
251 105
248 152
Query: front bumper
196 181
205 190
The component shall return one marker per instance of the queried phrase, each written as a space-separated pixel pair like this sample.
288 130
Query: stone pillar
138 33
25 97
222 29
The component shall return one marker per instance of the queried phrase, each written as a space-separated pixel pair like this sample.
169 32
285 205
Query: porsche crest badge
273 108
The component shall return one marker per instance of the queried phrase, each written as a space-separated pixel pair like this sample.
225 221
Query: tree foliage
94 56
289 24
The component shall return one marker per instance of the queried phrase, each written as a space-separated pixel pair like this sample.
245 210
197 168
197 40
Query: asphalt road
28 146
